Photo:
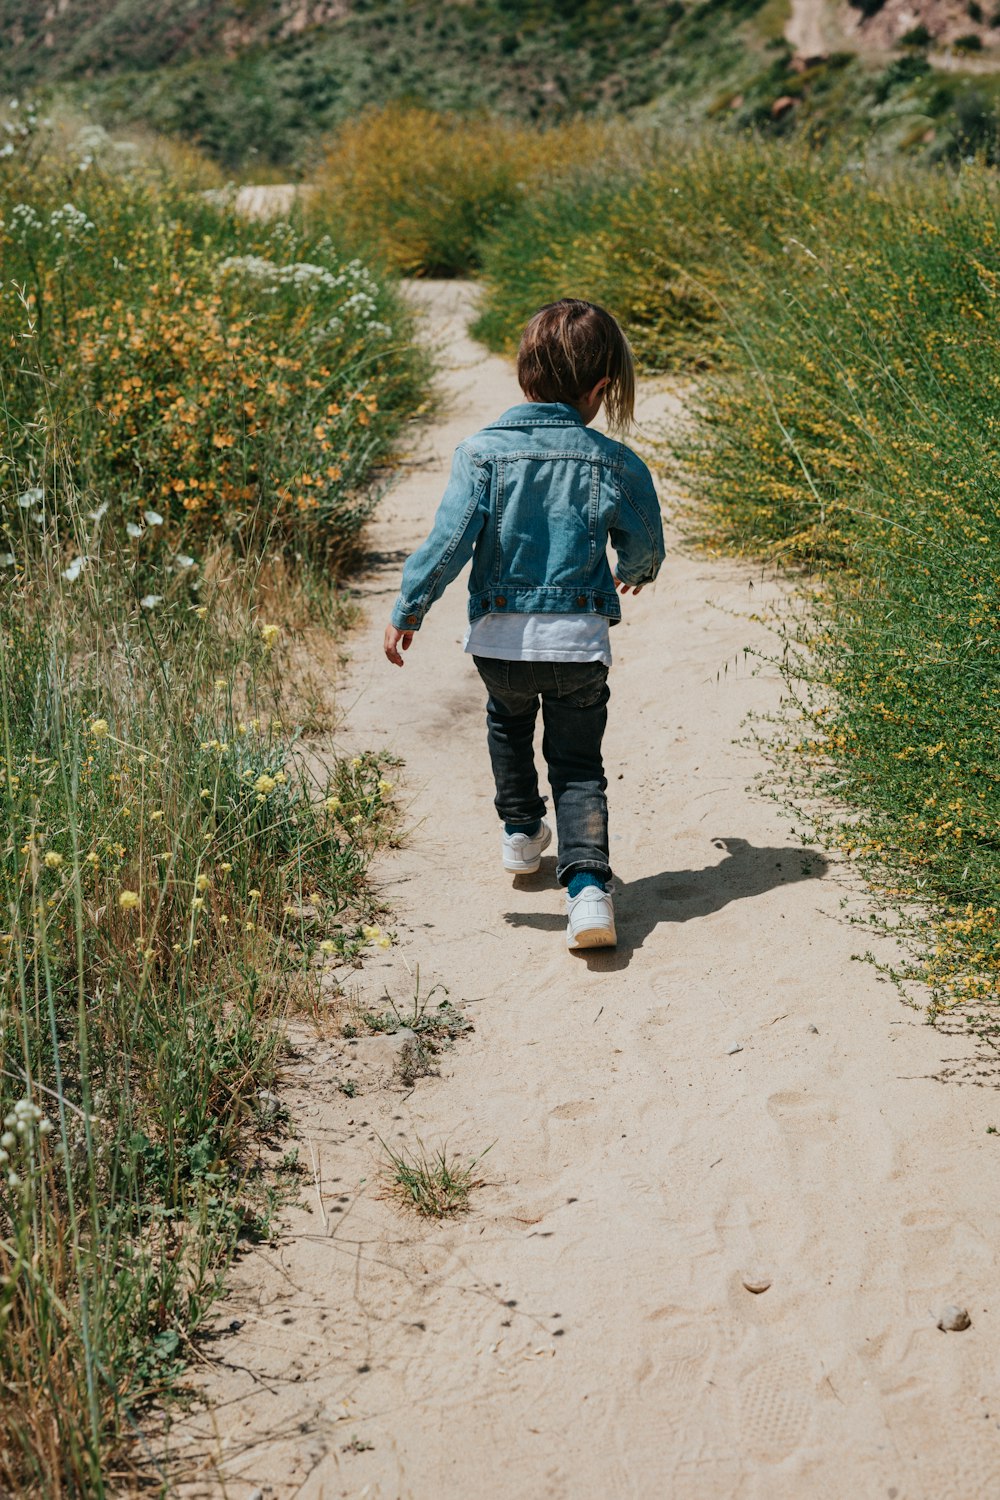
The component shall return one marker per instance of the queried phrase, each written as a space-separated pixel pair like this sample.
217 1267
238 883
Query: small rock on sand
734 1047
756 1281
269 1104
953 1319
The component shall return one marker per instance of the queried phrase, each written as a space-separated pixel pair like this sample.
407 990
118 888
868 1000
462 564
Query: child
534 499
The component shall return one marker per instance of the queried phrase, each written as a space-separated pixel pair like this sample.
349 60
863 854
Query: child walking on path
534 499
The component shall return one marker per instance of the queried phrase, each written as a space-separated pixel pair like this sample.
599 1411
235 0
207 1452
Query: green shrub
240 380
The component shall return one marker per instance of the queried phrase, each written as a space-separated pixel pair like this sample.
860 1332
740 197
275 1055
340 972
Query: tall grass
422 189
241 379
175 870
846 422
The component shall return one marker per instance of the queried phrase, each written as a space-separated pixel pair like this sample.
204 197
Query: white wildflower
134 531
152 518
76 567
150 601
68 222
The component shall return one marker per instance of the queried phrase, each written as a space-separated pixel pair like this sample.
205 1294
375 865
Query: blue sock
529 828
578 883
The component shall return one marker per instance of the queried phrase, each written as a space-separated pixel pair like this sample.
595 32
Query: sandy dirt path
584 1333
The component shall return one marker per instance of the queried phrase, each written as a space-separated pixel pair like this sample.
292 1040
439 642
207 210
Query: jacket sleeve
439 560
637 532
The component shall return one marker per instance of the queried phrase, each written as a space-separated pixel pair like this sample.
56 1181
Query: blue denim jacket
533 499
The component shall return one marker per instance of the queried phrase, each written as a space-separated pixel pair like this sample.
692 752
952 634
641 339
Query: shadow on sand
679 895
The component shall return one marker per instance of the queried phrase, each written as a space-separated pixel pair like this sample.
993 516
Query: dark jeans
574 697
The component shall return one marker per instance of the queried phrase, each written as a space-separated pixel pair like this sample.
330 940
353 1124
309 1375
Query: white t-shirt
540 637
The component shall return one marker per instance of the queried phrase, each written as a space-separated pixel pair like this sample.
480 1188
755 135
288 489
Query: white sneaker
522 853
591 919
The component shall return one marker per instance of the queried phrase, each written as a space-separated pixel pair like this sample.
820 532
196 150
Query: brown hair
567 348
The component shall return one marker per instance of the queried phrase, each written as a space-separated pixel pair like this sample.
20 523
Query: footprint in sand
576 1109
675 1359
776 1405
667 985
805 1112
944 1240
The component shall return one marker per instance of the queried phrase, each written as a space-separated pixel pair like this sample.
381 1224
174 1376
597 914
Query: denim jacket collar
540 414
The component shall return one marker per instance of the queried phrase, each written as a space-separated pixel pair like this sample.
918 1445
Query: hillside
261 81
264 78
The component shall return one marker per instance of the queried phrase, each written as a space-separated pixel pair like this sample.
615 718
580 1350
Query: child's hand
624 587
393 640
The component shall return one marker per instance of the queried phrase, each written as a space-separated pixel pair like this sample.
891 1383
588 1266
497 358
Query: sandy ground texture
585 1333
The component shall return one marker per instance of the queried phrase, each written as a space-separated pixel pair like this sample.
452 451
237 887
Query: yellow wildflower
99 728
128 900
264 784
269 634
53 860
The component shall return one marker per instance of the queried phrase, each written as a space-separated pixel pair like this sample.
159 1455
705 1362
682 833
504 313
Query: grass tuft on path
433 1184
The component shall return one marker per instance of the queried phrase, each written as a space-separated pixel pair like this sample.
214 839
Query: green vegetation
260 89
239 379
393 185
177 389
272 99
431 1183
